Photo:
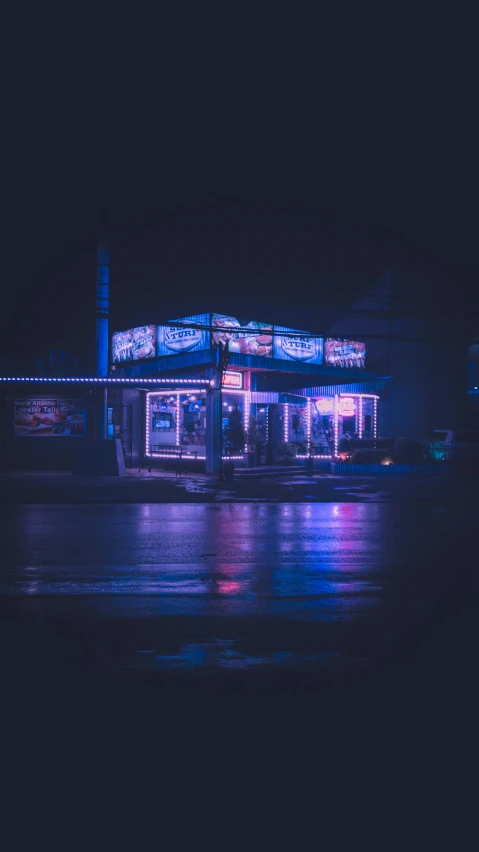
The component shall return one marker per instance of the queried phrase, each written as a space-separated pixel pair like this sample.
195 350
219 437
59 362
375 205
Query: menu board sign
136 344
345 353
291 347
174 340
256 338
49 417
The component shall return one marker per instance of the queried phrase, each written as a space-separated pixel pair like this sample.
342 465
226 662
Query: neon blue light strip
108 381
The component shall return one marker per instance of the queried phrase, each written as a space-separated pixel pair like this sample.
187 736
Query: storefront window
260 413
233 424
298 430
192 427
111 428
322 427
163 416
368 419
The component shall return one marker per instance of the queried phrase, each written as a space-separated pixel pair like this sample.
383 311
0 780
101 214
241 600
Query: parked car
448 444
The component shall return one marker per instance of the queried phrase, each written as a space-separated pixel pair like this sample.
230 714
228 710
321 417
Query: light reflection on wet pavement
236 587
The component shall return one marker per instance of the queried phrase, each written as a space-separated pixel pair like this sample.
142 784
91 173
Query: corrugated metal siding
354 387
167 364
292 399
265 398
255 362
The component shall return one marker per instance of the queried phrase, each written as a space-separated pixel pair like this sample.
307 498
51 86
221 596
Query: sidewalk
288 485
258 472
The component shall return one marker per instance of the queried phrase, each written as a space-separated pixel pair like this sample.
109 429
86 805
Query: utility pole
222 358
102 309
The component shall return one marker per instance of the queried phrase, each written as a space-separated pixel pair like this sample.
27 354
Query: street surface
244 593
269 646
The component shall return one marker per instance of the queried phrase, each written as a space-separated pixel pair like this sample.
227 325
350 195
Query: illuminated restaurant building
285 395
277 390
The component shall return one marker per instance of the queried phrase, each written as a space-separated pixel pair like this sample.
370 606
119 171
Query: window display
163 416
233 424
322 427
298 430
192 425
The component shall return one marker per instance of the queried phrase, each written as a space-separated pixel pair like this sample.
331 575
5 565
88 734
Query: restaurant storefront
163 401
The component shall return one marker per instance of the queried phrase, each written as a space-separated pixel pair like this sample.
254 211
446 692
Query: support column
104 419
213 430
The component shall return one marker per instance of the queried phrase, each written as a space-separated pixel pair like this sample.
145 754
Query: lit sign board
174 340
324 405
49 417
255 339
136 344
346 406
345 353
232 380
290 347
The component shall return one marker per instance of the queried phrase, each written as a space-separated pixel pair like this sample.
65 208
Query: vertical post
222 358
375 418
220 436
360 430
105 414
102 307
214 423
213 429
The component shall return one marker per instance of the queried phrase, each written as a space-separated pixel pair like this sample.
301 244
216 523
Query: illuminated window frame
285 422
246 411
148 453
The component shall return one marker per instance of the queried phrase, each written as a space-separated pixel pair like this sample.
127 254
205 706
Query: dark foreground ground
266 643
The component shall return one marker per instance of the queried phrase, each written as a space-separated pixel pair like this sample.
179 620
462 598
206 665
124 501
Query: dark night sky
262 181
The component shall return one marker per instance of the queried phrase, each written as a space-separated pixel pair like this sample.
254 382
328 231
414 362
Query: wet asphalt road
237 594
237 654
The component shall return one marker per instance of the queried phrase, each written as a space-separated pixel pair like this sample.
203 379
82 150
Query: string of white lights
336 421
308 424
285 423
360 425
247 407
108 381
361 395
178 420
169 455
375 418
313 456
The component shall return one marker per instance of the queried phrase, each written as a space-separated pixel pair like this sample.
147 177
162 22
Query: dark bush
344 445
385 443
362 444
368 456
286 453
407 451
466 467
